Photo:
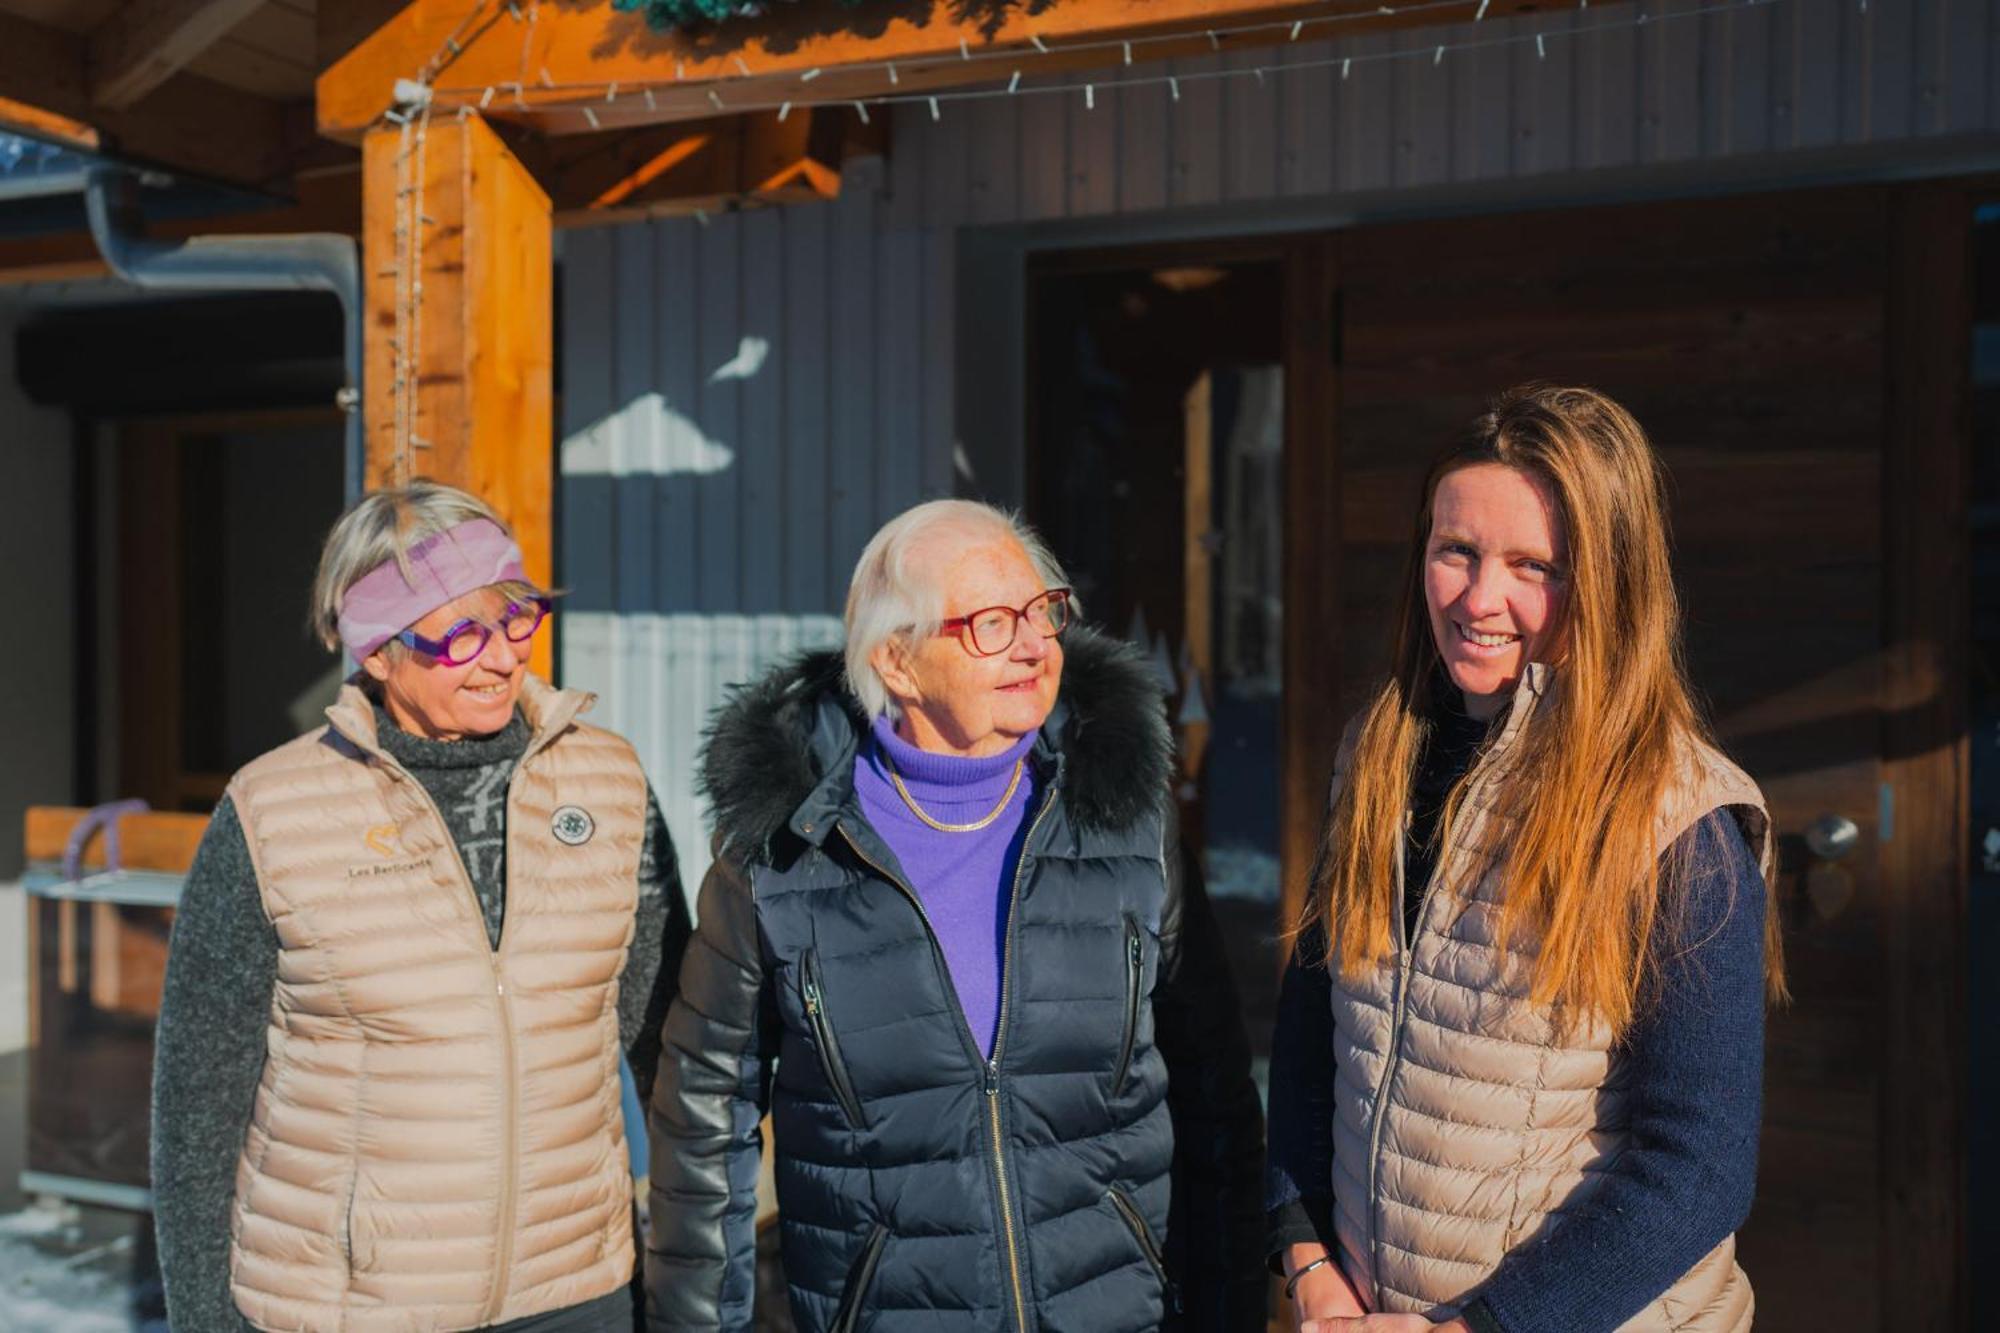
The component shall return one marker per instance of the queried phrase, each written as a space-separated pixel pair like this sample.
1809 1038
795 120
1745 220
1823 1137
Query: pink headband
382 603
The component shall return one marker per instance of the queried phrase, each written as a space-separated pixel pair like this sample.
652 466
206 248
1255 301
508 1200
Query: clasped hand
1381 1323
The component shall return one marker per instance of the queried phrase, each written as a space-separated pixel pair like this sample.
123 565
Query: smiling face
954 702
1493 579
430 698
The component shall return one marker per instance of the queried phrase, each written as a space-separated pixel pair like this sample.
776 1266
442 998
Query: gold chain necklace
942 827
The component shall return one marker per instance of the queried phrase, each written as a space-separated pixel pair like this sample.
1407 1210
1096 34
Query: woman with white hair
950 944
410 950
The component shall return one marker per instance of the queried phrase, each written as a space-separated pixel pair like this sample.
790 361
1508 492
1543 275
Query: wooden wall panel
1748 337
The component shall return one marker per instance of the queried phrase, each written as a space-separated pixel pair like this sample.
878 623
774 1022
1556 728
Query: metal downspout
310 261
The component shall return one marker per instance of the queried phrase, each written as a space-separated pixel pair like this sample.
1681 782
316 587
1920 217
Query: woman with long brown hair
1515 1080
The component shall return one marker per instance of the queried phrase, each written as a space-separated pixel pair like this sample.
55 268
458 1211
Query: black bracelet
1292 1282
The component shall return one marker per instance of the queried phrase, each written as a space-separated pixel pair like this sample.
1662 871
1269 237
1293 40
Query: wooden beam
546 71
39 123
188 124
459 303
145 43
726 162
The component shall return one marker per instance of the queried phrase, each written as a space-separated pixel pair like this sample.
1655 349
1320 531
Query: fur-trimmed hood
772 746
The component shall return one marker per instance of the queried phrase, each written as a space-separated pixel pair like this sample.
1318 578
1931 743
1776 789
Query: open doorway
1171 392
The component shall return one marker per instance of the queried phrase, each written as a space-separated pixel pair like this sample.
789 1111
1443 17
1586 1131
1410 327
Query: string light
1214 36
1015 86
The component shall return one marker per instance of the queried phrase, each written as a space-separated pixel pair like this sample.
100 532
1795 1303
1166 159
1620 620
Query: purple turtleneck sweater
965 880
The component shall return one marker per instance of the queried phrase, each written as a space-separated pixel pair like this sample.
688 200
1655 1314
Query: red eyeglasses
993 629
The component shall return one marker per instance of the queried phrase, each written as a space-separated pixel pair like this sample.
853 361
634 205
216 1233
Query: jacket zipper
834 1067
848 1316
1134 971
1405 961
993 1074
992 1067
1144 1235
509 1090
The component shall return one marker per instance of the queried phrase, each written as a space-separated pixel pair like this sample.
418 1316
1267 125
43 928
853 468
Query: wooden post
459 297
1926 766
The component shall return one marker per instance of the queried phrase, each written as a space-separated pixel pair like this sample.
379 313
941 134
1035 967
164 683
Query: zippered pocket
813 993
859 1279
347 1221
1134 973
1143 1234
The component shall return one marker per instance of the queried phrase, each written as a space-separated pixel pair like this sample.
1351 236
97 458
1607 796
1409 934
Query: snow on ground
61 1273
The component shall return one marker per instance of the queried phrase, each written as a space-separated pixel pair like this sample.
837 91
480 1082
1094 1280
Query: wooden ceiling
221 89
270 50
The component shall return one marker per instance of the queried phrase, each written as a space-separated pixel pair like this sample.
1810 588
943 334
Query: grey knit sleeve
653 964
222 964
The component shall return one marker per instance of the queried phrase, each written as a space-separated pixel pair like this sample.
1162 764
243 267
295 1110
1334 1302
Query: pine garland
663 15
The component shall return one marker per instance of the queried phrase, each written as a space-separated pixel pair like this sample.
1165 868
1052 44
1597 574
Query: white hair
382 526
894 593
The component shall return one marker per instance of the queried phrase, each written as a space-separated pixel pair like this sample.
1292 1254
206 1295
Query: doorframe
1924 858
147 681
1308 712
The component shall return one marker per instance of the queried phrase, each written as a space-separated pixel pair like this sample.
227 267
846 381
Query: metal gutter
308 261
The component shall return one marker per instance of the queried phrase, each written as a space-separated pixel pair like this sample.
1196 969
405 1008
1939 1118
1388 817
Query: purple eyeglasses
467 638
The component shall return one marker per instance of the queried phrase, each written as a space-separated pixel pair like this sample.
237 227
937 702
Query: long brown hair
1594 761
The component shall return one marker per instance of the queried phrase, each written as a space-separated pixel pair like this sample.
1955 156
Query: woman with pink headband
410 952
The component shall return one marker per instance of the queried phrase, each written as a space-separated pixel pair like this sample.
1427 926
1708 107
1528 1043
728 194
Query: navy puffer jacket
1070 1185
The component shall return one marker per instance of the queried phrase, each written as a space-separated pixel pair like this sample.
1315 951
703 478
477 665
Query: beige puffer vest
437 1140
1465 1123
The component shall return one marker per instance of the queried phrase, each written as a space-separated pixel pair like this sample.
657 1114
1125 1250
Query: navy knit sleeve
1695 1061
1298 1179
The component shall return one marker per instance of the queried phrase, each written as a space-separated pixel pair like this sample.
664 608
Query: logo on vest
572 825
381 839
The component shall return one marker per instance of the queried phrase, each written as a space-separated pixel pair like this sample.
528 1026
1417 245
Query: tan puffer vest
437 1140
1465 1123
